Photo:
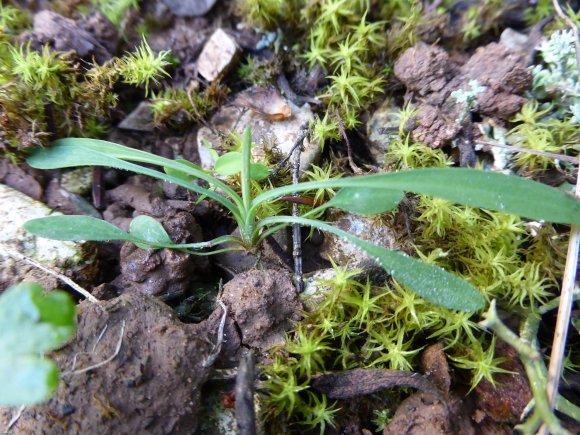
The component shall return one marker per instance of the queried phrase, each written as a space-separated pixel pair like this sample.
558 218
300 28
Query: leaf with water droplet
366 201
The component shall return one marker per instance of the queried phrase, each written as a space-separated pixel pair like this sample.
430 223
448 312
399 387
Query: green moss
359 325
115 10
178 108
45 93
260 71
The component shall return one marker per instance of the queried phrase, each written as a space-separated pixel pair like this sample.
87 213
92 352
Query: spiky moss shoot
260 71
269 14
538 11
143 66
357 325
540 128
481 362
13 20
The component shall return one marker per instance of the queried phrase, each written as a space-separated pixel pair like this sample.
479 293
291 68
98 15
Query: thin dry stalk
567 293
220 337
516 149
15 418
60 276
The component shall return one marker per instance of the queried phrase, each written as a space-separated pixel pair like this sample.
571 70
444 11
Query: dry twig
220 337
296 234
567 293
60 276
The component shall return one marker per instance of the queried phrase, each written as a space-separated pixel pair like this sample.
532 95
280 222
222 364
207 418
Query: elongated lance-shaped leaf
145 233
432 283
77 228
71 152
506 193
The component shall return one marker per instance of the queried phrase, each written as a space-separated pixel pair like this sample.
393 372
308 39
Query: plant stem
535 368
247 229
296 235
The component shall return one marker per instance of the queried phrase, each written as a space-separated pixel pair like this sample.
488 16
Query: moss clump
115 10
178 107
45 93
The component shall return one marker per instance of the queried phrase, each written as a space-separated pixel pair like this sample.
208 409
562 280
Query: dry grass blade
60 276
567 293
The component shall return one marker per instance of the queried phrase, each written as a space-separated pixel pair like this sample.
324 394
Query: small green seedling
32 324
367 195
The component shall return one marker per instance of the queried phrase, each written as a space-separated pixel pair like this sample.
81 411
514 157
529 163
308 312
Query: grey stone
74 258
381 130
270 135
140 119
345 253
514 40
78 180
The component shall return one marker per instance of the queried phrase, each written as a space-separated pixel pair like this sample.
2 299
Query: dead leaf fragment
357 382
265 100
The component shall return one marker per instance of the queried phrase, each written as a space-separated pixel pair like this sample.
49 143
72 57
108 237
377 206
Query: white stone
514 39
345 253
266 133
15 242
218 55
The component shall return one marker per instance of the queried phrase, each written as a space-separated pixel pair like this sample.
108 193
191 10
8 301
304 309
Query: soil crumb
263 303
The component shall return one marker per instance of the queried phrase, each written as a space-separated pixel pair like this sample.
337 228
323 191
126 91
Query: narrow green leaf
506 193
185 176
366 201
76 228
432 283
71 152
149 230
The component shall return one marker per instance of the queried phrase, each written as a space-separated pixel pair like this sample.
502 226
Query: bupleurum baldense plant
368 195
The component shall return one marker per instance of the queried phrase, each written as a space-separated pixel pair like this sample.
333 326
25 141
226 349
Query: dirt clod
151 386
429 72
436 368
420 414
154 271
263 303
506 401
